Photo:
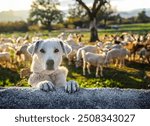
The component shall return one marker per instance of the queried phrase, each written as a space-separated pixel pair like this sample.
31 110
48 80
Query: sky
121 5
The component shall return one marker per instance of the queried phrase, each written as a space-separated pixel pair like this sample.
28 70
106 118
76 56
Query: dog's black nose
50 64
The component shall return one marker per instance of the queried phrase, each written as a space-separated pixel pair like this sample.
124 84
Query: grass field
134 75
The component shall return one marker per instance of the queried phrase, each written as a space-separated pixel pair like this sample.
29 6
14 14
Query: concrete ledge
104 98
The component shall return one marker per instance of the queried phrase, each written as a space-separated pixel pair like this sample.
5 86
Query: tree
104 14
92 14
45 12
142 17
76 10
77 15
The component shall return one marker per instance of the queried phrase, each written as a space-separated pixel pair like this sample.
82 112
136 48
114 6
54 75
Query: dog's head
47 55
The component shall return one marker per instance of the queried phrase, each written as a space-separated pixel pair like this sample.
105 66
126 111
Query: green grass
134 75
131 28
131 76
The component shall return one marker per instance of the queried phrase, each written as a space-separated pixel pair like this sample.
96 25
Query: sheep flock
116 50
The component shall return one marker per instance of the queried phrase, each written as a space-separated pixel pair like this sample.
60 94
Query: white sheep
88 48
72 56
62 36
93 59
23 54
118 55
5 58
75 46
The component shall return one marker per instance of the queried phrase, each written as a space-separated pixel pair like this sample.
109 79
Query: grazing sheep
88 48
118 55
94 60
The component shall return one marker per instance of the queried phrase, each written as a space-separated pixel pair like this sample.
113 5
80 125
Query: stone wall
104 98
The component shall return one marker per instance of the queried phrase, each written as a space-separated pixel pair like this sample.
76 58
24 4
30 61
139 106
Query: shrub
20 26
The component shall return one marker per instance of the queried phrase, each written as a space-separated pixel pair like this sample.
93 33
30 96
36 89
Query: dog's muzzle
50 64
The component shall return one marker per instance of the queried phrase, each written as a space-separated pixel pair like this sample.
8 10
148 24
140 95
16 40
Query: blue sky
121 5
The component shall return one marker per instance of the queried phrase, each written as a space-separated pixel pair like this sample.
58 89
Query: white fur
88 48
94 60
23 55
46 78
5 58
118 55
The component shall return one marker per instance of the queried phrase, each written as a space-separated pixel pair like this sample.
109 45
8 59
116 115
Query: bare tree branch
85 6
101 3
94 5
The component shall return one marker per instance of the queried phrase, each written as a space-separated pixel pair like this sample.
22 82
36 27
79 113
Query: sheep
133 47
5 58
116 46
88 48
71 57
7 40
25 72
144 55
118 55
94 60
23 53
35 38
6 47
75 46
20 40
62 36
70 37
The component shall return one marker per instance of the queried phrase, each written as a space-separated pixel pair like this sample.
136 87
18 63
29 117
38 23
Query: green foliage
142 17
20 26
34 27
45 12
58 26
8 77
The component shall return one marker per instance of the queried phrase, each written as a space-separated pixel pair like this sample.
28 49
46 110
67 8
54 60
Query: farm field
134 75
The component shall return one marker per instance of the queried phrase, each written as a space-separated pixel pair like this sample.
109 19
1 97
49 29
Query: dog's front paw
71 86
46 86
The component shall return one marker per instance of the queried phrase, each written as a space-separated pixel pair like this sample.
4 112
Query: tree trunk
49 26
105 22
93 30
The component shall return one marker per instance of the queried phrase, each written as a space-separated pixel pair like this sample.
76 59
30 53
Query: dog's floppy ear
33 47
66 48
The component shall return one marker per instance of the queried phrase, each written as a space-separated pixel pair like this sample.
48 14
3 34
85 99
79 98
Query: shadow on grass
137 65
9 77
132 76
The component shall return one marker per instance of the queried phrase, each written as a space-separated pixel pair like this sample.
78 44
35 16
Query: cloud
126 5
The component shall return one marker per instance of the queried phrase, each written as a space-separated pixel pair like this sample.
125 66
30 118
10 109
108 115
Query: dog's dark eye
42 50
56 51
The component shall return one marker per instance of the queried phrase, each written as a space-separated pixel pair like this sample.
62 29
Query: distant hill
23 14
13 15
132 13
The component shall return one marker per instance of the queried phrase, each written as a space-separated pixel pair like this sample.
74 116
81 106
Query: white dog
46 60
